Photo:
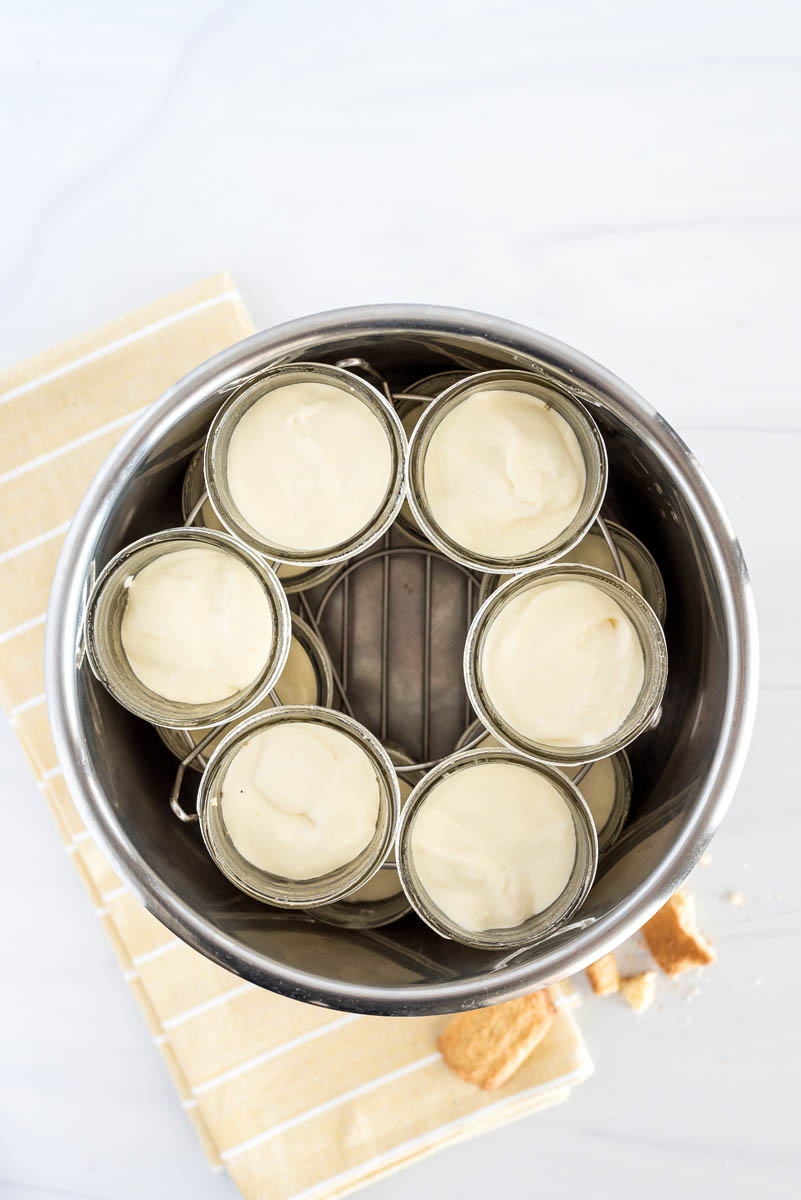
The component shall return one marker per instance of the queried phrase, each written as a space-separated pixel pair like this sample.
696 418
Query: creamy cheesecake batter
493 844
300 799
503 474
197 625
562 664
309 466
297 684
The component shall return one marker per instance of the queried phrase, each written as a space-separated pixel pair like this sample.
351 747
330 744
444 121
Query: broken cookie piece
673 936
604 975
639 991
486 1046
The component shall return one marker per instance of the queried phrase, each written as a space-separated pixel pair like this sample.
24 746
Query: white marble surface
625 176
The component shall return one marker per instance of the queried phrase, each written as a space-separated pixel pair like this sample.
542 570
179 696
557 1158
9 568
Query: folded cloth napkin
293 1100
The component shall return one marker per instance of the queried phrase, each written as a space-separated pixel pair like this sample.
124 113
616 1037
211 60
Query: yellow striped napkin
246 1064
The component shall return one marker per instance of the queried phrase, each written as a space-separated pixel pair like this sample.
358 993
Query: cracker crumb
704 860
604 975
486 1046
737 899
639 991
673 937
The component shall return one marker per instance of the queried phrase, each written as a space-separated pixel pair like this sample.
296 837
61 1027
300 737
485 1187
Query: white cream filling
197 625
562 664
300 799
309 466
493 844
503 473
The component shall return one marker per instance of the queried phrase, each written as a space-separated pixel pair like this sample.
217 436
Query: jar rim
567 406
232 411
281 890
539 925
126 687
649 633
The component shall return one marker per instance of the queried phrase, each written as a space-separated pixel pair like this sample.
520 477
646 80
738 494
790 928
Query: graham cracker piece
486 1046
604 975
639 991
673 936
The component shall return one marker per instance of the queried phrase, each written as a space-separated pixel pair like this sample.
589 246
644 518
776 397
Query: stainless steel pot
685 769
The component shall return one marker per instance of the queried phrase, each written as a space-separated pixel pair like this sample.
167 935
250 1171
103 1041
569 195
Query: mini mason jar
382 899
293 579
410 406
303 639
540 924
278 889
649 634
103 632
615 770
620 767
639 565
576 416
434 385
215 464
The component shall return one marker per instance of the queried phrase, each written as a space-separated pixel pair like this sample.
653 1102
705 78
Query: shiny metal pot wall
685 769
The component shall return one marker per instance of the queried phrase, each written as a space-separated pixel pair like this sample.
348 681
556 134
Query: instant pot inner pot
669 762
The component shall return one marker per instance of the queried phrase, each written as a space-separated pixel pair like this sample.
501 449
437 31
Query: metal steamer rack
394 622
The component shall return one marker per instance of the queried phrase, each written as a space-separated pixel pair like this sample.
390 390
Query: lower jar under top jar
294 578
606 787
306 679
386 882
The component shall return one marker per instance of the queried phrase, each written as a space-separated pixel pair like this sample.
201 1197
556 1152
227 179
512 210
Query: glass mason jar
540 924
277 889
639 565
103 632
431 386
649 634
382 899
606 787
216 461
293 579
410 405
564 405
305 648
